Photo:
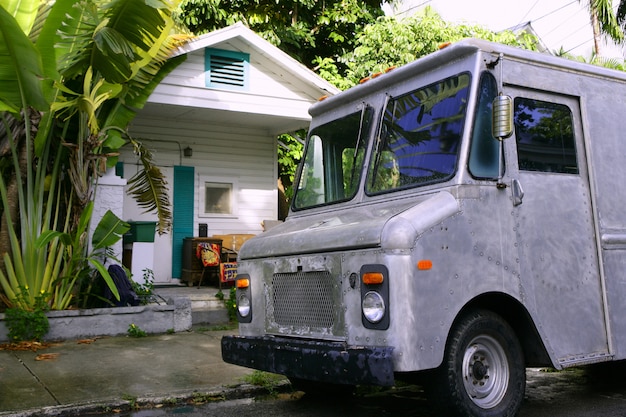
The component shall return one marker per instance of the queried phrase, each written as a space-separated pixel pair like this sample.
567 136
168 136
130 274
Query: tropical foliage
391 42
73 73
604 21
304 29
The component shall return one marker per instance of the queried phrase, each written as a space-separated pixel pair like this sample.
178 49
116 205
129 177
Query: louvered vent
226 69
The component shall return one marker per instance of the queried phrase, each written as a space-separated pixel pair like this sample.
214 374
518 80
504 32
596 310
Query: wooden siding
243 154
238 153
269 92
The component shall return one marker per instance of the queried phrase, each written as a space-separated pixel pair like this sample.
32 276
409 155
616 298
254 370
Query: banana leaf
20 68
109 231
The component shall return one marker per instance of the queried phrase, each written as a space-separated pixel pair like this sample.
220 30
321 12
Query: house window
217 197
226 69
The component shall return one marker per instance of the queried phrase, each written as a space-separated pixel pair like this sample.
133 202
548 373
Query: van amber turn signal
243 283
424 264
372 278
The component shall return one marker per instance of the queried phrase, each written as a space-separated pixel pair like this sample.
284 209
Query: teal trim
182 214
226 69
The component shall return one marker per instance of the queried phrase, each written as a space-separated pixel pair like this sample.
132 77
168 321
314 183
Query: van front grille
302 299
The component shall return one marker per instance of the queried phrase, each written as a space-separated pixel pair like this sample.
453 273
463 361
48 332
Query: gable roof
277 101
231 35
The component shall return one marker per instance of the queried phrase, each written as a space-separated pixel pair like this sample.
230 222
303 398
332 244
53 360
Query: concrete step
206 307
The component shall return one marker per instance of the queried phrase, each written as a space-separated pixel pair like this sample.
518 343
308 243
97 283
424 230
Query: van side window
484 151
545 137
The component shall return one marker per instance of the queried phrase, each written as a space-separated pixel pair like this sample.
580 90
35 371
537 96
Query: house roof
239 31
278 102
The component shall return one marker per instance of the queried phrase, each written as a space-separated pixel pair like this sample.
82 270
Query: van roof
457 51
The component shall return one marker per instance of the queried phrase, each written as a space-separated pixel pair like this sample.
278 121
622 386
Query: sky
559 23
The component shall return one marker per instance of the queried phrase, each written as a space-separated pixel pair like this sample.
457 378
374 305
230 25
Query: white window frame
232 183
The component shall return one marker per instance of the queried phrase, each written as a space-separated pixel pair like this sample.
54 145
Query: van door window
420 136
545 137
333 161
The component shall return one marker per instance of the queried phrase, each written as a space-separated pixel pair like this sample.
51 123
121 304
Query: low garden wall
175 316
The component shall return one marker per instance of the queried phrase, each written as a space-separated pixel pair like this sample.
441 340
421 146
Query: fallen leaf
26 345
86 341
46 356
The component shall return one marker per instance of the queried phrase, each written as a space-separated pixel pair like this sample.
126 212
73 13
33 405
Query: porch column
109 195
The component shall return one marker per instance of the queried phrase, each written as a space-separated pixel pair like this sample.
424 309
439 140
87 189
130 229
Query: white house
212 125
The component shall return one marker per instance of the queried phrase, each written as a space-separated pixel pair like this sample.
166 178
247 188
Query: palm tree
72 76
604 21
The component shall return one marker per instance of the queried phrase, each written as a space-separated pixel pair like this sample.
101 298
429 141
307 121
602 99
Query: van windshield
420 137
333 161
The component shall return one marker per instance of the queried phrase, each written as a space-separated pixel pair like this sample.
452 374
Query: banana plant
109 231
73 74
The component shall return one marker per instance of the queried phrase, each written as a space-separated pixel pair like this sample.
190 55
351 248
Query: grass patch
216 328
266 380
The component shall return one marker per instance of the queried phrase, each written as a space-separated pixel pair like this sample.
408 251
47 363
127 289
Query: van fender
403 230
536 352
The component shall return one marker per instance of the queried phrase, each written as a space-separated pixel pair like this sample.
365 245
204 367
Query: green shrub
28 324
230 303
135 331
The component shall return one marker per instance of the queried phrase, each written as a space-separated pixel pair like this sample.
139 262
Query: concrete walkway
114 372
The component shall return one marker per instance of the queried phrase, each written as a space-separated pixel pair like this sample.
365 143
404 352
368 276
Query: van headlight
243 305
243 298
373 307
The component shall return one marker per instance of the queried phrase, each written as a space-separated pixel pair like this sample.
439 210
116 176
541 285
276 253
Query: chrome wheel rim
485 371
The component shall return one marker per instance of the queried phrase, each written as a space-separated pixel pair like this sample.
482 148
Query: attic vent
226 69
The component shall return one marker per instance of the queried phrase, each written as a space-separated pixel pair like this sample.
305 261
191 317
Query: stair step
207 304
206 308
209 317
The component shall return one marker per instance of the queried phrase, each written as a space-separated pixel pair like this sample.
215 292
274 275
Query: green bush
230 303
28 324
135 331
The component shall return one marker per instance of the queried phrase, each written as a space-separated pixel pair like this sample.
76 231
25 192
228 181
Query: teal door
182 214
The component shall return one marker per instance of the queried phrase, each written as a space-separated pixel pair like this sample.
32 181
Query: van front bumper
331 362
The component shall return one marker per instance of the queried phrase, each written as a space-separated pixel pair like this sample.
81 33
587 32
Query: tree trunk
595 25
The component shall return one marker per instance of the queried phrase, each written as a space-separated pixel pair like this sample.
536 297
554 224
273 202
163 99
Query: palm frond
121 112
149 188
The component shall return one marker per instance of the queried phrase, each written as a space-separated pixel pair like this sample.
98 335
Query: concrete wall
76 324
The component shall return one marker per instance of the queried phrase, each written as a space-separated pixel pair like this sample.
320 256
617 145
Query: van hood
387 225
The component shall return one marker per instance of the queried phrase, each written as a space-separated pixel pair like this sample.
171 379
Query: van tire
483 372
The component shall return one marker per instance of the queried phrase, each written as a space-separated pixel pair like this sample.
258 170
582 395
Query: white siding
269 93
242 154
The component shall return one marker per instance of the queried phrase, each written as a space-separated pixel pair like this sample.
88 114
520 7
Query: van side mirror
502 117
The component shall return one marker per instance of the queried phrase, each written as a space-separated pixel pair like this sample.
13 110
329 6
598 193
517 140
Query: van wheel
483 372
